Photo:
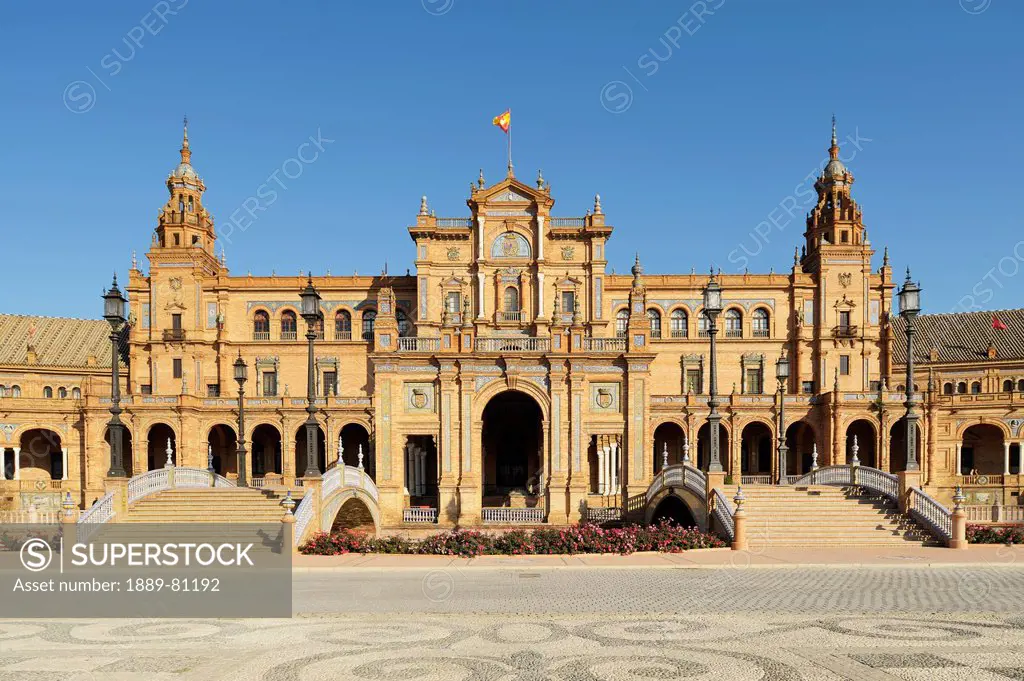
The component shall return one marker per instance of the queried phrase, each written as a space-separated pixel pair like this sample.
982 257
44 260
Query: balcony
761 333
419 515
174 335
733 333
516 316
288 335
679 333
419 344
518 344
844 331
604 344
454 223
261 335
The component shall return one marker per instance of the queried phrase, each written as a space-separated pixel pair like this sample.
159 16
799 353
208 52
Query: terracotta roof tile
57 341
961 337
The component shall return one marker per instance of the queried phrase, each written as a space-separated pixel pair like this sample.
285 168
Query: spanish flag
998 324
504 120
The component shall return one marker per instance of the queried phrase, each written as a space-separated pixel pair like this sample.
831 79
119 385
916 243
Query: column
1006 458
616 463
408 467
64 461
601 469
422 478
17 463
609 476
540 237
540 292
480 295
480 237
959 454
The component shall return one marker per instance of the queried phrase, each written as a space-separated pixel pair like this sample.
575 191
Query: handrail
303 514
931 513
723 512
871 479
100 512
827 475
685 475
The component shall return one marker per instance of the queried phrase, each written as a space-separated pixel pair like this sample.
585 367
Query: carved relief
568 252
845 279
453 253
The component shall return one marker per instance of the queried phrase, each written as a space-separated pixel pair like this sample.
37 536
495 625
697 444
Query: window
146 389
452 302
270 383
655 319
62 393
678 323
261 326
404 325
511 299
330 383
961 387
1007 386
191 207
1020 386
975 387
76 393
568 302
844 365
15 391
318 326
733 323
807 387
47 392
342 325
621 323
3 391
177 239
947 388
844 320
844 237
288 325
177 368
213 390
759 322
753 384
369 319
702 324
693 383
176 321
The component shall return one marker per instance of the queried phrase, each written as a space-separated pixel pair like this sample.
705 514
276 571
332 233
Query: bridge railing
930 513
679 475
871 479
723 513
337 478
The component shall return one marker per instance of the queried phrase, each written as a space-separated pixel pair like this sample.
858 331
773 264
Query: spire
833 150
597 204
186 153
423 205
885 257
135 262
833 130
540 179
637 270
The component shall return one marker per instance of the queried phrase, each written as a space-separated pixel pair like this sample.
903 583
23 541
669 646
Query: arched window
3 391
975 387
678 323
947 389
453 302
190 205
15 391
289 326
76 393
404 325
261 325
733 323
901 388
318 326
47 392
655 319
621 322
759 322
1007 386
1020 386
702 324
181 204
511 301
62 393
342 325
961 387
369 319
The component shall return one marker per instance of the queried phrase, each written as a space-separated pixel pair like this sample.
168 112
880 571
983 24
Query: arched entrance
355 439
41 456
265 451
800 439
160 438
513 443
702 456
982 450
127 458
300 450
673 509
756 450
223 445
898 446
668 437
864 432
354 515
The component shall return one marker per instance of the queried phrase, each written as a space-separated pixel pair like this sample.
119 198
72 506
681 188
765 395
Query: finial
637 270
423 205
885 257
833 130
540 179
114 285
223 256
908 273
135 262
597 204
796 256
510 173
480 179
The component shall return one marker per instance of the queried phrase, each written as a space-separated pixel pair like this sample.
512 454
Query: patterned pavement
825 623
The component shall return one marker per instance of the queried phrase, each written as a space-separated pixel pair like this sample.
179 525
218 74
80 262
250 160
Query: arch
300 450
261 325
512 446
898 446
982 450
732 323
354 514
867 437
621 322
756 449
654 318
337 501
76 393
265 450
127 455
222 443
701 457
497 387
1020 386
47 392
158 435
368 322
510 244
15 391
975 387
947 388
760 322
510 299
404 325
801 439
355 437
675 510
694 505
41 456
289 325
679 323
961 387
62 393
342 325
668 436
1008 386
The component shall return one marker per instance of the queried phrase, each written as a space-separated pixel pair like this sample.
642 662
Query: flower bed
995 534
585 538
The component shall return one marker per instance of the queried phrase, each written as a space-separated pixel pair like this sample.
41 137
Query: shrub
514 543
465 543
989 534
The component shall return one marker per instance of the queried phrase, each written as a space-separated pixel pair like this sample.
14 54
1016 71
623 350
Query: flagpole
510 141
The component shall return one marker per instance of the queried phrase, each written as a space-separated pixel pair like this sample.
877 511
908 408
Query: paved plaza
518 621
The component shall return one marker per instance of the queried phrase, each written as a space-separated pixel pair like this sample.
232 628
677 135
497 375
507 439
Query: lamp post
712 308
113 312
910 306
241 375
310 306
782 376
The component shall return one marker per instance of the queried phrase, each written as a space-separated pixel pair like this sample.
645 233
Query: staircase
209 505
825 516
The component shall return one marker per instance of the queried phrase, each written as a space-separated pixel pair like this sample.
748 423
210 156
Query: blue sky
694 129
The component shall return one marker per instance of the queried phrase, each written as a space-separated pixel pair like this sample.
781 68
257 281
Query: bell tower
836 219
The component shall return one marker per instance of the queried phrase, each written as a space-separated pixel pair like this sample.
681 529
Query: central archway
513 443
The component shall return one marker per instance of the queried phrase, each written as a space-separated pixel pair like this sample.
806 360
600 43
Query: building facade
512 376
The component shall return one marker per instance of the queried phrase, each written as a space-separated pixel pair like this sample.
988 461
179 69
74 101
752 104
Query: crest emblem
509 245
845 279
453 253
568 252
604 398
419 398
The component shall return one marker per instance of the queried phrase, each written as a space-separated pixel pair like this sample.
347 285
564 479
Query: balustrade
604 344
512 516
419 515
513 344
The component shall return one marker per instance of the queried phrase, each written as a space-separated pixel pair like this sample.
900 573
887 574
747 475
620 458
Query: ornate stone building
512 377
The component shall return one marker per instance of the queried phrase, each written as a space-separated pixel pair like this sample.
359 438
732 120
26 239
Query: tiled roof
57 341
961 337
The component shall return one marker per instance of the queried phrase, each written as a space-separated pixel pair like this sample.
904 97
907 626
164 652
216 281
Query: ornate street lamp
241 376
712 308
311 313
782 376
910 306
113 312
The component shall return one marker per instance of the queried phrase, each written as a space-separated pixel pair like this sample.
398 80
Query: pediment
511 191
